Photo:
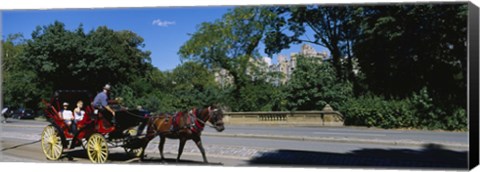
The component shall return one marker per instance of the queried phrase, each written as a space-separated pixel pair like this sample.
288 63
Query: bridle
204 121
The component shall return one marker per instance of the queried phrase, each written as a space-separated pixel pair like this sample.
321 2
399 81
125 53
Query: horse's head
216 118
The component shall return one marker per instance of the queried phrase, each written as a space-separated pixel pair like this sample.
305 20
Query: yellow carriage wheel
51 143
97 148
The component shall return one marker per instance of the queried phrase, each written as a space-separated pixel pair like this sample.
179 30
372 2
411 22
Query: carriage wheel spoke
58 151
104 153
48 147
101 156
51 151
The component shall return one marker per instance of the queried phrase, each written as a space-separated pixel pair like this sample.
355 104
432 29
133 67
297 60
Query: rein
134 115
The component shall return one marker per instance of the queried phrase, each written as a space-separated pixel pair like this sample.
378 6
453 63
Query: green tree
21 87
403 48
193 85
229 43
66 59
313 85
188 85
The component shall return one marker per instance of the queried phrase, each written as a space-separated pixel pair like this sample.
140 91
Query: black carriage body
127 120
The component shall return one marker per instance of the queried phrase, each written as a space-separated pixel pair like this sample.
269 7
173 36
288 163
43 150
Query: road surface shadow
20 145
121 157
72 155
430 157
173 161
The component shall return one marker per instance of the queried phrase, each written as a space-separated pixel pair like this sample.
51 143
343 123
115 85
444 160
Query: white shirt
67 114
79 115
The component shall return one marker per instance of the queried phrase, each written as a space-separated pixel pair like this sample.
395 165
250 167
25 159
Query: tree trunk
336 57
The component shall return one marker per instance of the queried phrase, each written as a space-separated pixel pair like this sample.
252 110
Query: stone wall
315 118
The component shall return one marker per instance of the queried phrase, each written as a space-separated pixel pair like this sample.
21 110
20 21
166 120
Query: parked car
22 113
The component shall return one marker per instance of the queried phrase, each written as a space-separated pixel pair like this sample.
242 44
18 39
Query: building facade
285 66
288 65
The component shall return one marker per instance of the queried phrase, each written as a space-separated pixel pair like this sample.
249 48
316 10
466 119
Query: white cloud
161 23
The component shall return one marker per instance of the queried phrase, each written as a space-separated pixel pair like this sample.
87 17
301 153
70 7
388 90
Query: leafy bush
433 115
419 111
457 120
376 111
427 113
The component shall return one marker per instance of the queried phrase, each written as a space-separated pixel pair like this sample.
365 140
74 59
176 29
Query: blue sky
163 29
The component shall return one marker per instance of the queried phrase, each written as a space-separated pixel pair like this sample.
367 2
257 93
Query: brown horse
184 126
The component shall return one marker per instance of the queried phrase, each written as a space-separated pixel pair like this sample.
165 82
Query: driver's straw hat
65 104
107 87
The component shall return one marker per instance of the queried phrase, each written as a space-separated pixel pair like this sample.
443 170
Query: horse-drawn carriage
95 132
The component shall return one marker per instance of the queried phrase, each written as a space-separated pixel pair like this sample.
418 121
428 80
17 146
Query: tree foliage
230 42
193 86
314 84
403 48
332 26
20 84
66 59
400 50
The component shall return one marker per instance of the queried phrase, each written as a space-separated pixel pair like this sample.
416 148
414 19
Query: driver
100 102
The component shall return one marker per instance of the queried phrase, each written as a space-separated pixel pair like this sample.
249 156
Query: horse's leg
144 148
183 140
160 147
198 141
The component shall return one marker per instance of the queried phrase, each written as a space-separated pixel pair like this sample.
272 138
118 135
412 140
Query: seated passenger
78 112
67 116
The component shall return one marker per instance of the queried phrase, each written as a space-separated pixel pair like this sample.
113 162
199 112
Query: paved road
19 142
354 132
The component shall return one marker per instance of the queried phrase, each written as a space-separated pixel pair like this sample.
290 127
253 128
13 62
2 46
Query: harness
197 127
151 121
191 121
195 124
